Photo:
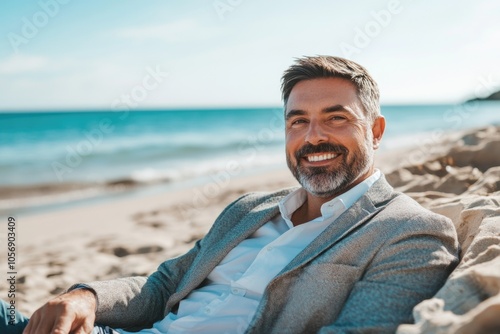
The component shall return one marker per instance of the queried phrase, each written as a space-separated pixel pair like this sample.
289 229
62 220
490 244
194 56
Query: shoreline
88 195
29 199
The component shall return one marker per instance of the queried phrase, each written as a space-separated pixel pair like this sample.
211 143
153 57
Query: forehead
322 93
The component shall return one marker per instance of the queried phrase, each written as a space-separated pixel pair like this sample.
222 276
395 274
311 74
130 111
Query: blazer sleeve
408 268
134 302
138 302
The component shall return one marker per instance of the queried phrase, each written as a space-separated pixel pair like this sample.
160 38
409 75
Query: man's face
330 141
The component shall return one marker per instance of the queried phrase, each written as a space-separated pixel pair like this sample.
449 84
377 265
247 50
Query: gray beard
322 182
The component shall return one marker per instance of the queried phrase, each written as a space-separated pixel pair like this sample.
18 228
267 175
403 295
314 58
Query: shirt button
235 290
208 310
270 248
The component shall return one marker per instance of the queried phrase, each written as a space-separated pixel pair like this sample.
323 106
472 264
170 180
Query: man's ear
378 131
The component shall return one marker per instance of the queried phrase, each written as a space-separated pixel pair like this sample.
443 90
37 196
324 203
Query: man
343 253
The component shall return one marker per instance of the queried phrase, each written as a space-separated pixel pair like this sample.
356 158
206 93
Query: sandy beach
120 237
458 177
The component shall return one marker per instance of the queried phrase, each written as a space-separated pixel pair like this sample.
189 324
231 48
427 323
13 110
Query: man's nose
316 134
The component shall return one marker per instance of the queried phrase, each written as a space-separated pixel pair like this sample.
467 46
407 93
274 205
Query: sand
118 238
458 177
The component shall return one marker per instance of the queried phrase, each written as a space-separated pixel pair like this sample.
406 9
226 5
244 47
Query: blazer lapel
212 255
354 218
242 229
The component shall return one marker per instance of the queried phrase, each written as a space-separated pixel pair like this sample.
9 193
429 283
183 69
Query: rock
483 156
426 198
399 177
469 302
495 96
467 213
420 183
458 180
489 183
433 167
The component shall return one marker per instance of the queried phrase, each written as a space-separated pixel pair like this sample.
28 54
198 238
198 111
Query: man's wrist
82 286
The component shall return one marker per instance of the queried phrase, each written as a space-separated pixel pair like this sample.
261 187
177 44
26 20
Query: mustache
320 148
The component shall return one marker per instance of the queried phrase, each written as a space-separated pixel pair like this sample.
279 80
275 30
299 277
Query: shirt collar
335 207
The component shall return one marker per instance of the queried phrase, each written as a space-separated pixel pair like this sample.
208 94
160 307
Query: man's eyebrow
294 112
337 107
300 112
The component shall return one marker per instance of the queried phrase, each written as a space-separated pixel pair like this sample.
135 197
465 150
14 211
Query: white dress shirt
228 300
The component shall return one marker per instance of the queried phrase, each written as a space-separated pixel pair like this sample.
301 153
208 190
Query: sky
142 54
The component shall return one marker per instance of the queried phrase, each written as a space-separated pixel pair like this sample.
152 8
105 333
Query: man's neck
311 208
307 211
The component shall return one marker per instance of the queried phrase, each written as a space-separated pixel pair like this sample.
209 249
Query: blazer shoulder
246 203
253 199
412 215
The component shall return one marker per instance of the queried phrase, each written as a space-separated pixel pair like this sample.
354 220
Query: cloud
19 63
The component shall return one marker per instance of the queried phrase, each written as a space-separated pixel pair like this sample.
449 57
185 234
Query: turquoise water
144 145
53 150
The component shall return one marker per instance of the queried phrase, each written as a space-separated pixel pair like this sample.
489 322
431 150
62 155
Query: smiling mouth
321 157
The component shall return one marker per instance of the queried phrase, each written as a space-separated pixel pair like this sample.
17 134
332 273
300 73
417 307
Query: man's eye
298 121
337 118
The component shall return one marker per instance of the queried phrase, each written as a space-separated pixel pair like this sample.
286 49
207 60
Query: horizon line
192 108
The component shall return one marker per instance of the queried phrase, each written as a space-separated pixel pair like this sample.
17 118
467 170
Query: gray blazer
363 274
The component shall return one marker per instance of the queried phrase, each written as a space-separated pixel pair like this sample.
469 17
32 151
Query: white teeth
322 157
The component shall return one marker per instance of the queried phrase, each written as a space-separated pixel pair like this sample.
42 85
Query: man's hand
72 312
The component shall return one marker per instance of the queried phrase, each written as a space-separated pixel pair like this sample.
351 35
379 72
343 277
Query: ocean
49 158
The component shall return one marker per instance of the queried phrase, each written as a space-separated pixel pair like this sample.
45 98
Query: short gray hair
317 67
